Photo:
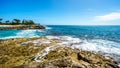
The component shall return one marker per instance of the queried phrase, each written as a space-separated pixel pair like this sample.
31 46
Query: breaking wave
25 34
48 27
106 47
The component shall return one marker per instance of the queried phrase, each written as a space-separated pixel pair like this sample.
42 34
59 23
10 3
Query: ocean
103 39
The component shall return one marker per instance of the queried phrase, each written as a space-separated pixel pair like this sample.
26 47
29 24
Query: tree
27 22
24 21
31 22
16 22
7 22
1 20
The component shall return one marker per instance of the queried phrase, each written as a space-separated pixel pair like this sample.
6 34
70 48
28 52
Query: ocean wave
48 27
25 34
105 47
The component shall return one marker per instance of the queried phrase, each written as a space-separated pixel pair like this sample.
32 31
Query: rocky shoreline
21 27
48 52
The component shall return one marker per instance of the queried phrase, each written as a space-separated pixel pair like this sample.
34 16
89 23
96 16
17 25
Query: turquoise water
6 34
111 33
104 39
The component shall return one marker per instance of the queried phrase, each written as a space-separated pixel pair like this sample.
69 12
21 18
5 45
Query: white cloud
109 17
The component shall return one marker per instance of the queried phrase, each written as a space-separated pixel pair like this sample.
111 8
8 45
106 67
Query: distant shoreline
21 27
12 25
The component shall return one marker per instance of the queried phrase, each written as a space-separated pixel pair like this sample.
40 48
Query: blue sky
63 12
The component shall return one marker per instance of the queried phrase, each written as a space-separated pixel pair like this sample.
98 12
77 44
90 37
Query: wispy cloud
109 17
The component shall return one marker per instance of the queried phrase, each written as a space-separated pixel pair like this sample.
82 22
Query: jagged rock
39 27
23 27
56 56
69 58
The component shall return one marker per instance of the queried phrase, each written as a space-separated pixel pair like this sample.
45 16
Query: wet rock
52 55
68 58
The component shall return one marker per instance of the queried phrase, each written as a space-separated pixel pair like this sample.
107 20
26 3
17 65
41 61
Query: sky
63 12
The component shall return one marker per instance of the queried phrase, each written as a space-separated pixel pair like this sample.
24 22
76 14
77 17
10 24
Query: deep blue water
87 32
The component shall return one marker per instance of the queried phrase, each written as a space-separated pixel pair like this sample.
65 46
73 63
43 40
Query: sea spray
105 47
23 34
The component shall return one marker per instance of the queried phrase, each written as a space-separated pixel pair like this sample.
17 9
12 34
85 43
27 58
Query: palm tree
24 21
1 20
7 22
16 21
31 22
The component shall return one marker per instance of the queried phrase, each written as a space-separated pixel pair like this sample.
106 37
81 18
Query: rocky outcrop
46 53
24 27
39 27
72 58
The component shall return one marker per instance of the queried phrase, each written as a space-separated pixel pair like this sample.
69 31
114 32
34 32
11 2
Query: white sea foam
25 34
48 27
119 65
45 52
65 38
39 41
106 47
92 45
52 37
28 33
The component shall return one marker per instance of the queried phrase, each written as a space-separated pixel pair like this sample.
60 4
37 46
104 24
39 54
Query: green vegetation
0 20
17 22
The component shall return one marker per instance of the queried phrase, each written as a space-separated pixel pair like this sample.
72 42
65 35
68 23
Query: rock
24 27
59 57
69 58
65 62
39 27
